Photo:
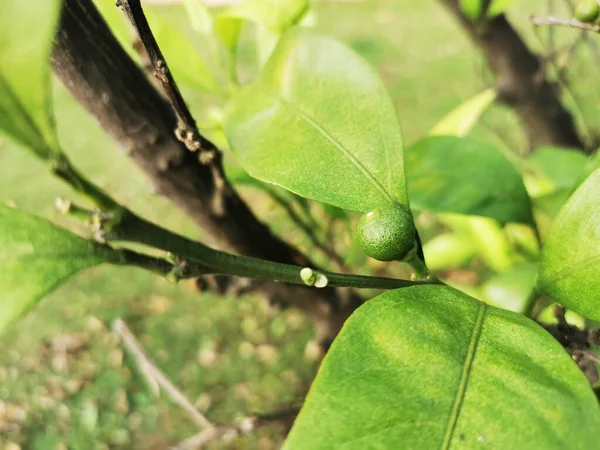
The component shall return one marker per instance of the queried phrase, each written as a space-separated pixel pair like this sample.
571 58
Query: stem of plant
198 259
62 168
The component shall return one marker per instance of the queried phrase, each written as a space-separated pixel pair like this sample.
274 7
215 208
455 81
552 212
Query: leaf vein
338 145
464 379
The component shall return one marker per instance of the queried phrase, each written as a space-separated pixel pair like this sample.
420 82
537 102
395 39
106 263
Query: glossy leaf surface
35 257
571 255
26 33
429 367
320 123
465 176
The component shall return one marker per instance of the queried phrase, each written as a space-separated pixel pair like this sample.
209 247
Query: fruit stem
419 266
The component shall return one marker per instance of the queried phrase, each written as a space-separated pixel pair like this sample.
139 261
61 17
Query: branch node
187 130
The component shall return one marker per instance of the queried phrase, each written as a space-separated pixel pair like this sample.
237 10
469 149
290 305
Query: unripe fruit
587 11
386 234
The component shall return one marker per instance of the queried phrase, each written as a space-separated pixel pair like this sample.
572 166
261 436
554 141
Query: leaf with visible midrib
320 123
570 268
35 257
430 368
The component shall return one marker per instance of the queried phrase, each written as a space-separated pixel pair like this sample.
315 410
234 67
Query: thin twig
564 84
156 377
551 35
229 432
187 130
591 43
556 21
225 433
309 231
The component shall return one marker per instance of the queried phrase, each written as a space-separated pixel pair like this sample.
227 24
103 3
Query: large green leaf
461 120
26 32
35 257
570 271
320 123
430 368
465 176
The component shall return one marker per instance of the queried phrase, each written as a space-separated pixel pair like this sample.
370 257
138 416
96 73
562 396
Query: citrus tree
422 365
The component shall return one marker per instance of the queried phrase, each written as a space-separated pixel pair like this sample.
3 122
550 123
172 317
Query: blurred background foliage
65 382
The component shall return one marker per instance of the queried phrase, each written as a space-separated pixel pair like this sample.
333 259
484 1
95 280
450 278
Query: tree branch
102 77
521 82
187 130
157 377
210 431
558 22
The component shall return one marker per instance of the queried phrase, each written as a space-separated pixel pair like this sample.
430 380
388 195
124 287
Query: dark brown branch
187 130
102 77
520 80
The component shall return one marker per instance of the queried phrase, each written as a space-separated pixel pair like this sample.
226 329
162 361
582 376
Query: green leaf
465 176
571 255
35 257
562 167
26 32
320 123
430 368
461 120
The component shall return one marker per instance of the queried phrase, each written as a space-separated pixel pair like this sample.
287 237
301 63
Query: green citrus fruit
386 234
587 11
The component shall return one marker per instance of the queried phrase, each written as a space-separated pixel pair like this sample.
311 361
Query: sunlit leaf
430 368
35 257
320 123
571 256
